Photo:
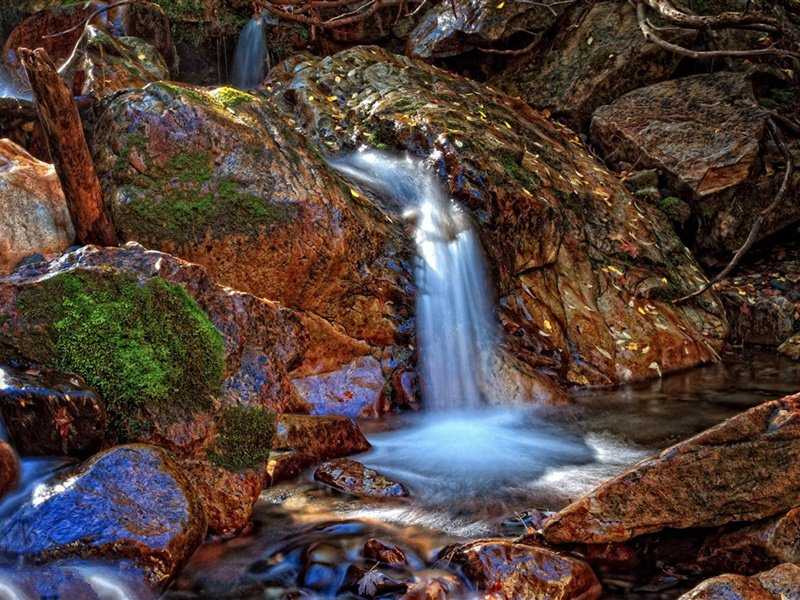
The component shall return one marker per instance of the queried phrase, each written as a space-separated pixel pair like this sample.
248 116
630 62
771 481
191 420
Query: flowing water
250 59
456 327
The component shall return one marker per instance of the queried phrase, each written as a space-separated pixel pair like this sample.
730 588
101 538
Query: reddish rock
285 465
596 56
385 553
501 569
584 270
48 413
781 583
320 437
33 213
227 498
753 458
9 468
351 477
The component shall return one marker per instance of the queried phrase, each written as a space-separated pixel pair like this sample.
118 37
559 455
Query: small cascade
249 62
456 327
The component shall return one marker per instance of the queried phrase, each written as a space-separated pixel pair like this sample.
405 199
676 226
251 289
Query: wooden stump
61 122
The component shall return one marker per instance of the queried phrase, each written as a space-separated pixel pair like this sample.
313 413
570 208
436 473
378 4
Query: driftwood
61 123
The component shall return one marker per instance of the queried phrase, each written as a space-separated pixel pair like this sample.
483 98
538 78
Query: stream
470 475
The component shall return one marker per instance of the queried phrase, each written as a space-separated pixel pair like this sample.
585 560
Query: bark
61 123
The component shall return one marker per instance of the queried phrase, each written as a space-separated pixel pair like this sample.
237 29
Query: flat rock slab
704 130
507 570
50 413
130 502
780 583
351 477
745 469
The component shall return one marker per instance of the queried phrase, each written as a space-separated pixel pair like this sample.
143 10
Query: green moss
516 171
182 202
244 438
231 97
147 348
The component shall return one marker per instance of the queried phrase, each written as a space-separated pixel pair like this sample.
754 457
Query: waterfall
456 327
251 55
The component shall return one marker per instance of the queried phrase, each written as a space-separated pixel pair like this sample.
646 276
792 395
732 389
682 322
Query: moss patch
231 97
147 348
244 438
183 202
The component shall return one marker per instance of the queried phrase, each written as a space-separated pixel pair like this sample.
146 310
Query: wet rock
453 28
751 455
762 298
220 177
385 553
286 465
352 391
503 569
227 498
780 583
33 213
321 437
9 468
597 56
371 583
351 477
434 585
705 134
791 347
583 269
130 502
213 344
48 413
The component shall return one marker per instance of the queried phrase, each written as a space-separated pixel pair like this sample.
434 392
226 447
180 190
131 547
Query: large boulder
705 134
33 213
597 56
220 177
506 570
48 413
128 503
780 583
585 272
453 28
744 469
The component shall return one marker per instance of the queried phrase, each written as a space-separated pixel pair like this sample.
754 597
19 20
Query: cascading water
249 62
456 327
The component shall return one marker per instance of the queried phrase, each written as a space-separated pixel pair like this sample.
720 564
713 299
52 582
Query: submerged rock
753 457
597 56
351 477
130 503
705 135
33 213
780 583
48 413
9 468
583 269
506 570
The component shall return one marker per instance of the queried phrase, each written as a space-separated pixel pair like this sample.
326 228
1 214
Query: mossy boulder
585 272
221 177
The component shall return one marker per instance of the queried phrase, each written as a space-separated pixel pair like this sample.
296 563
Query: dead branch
63 130
758 223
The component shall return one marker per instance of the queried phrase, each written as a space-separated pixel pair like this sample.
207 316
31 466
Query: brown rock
33 213
9 468
781 583
48 413
791 347
351 477
385 553
596 57
285 465
751 456
584 271
320 437
353 390
227 498
504 569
